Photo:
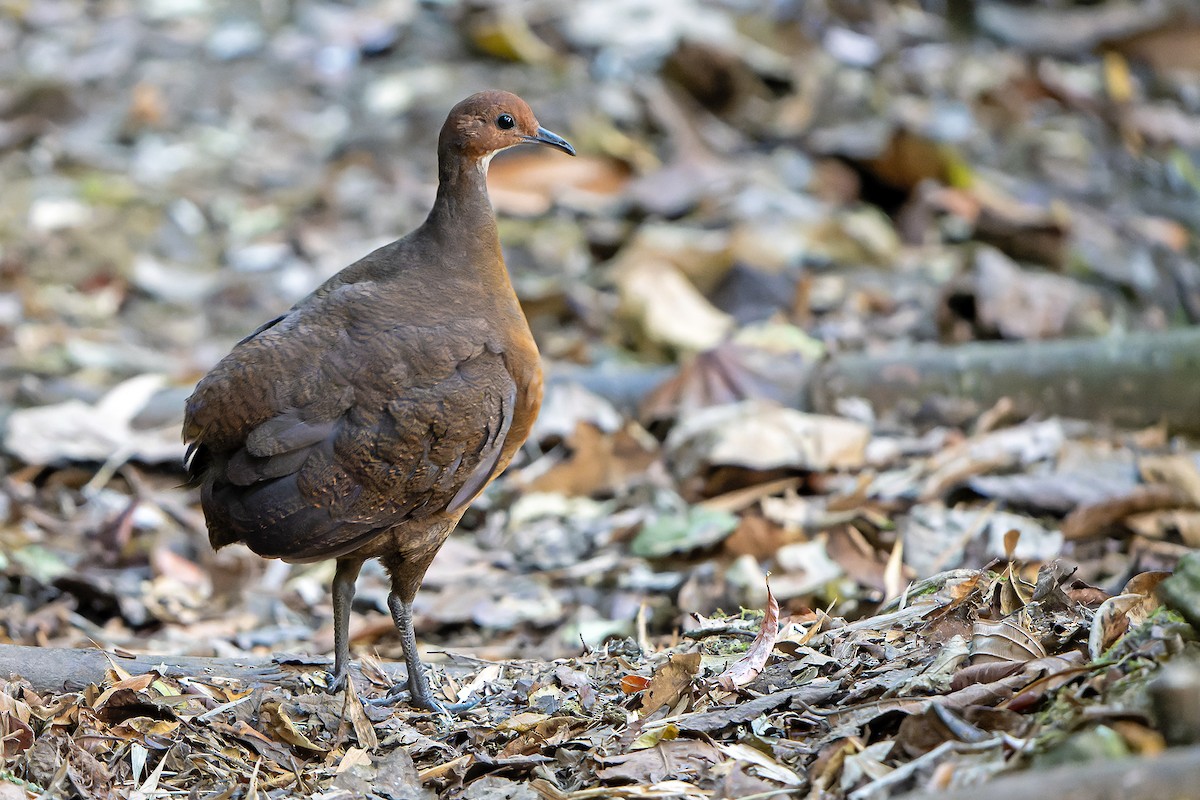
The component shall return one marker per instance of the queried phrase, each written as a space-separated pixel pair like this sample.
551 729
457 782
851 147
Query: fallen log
1131 381
53 669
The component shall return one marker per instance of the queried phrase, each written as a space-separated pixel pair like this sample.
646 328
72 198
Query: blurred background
773 205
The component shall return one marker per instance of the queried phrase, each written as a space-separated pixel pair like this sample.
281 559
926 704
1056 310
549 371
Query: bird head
488 122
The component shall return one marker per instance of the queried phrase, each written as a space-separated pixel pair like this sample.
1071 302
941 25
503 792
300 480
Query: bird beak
553 139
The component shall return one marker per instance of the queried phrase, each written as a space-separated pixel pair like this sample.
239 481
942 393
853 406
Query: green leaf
692 529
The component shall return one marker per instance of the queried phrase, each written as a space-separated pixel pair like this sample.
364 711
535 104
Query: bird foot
336 682
426 701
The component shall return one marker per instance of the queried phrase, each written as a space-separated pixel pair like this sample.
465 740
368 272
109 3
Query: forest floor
748 550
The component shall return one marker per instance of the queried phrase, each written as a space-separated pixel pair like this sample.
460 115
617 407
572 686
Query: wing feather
310 439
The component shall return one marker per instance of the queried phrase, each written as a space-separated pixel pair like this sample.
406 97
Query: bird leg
418 683
343 596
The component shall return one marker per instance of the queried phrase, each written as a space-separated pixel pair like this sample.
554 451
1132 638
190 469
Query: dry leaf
15 735
1004 640
1179 470
667 310
677 758
530 184
632 684
78 431
670 682
599 463
280 723
1110 623
762 435
766 766
746 668
1094 519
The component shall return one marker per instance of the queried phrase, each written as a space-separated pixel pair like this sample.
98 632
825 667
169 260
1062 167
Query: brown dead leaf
523 722
756 536
15 735
986 672
262 744
78 431
1118 614
1110 623
125 704
670 682
88 774
763 764
746 668
1051 672
818 691
280 724
676 758
1015 592
168 563
1011 537
136 683
1168 524
549 732
1146 583
1179 470
1093 519
11 791
732 371
529 184
600 463
354 756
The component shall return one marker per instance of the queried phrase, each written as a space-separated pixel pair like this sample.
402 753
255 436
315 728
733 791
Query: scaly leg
343 596
418 683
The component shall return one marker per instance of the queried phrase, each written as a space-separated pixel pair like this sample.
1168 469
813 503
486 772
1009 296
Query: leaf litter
956 590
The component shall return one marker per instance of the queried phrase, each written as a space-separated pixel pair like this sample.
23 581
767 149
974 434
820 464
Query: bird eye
505 121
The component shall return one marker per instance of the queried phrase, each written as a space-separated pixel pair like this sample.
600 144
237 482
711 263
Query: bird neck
463 225
462 203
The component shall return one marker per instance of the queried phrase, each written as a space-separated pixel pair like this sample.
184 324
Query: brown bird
364 421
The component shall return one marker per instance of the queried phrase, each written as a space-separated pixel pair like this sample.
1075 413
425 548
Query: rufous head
488 122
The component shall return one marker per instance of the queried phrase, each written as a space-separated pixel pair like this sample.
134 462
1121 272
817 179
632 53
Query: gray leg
343 596
418 683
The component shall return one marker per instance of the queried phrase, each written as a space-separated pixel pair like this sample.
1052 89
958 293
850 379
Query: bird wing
332 425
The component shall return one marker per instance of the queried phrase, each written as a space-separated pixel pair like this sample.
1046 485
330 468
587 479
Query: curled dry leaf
1179 470
15 735
1146 584
1025 304
1110 623
764 765
1163 524
667 310
675 758
77 431
1131 608
763 362
746 668
528 184
280 723
762 435
1004 640
599 462
670 682
1094 519
632 684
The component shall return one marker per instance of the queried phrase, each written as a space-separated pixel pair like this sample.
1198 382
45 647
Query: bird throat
462 199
